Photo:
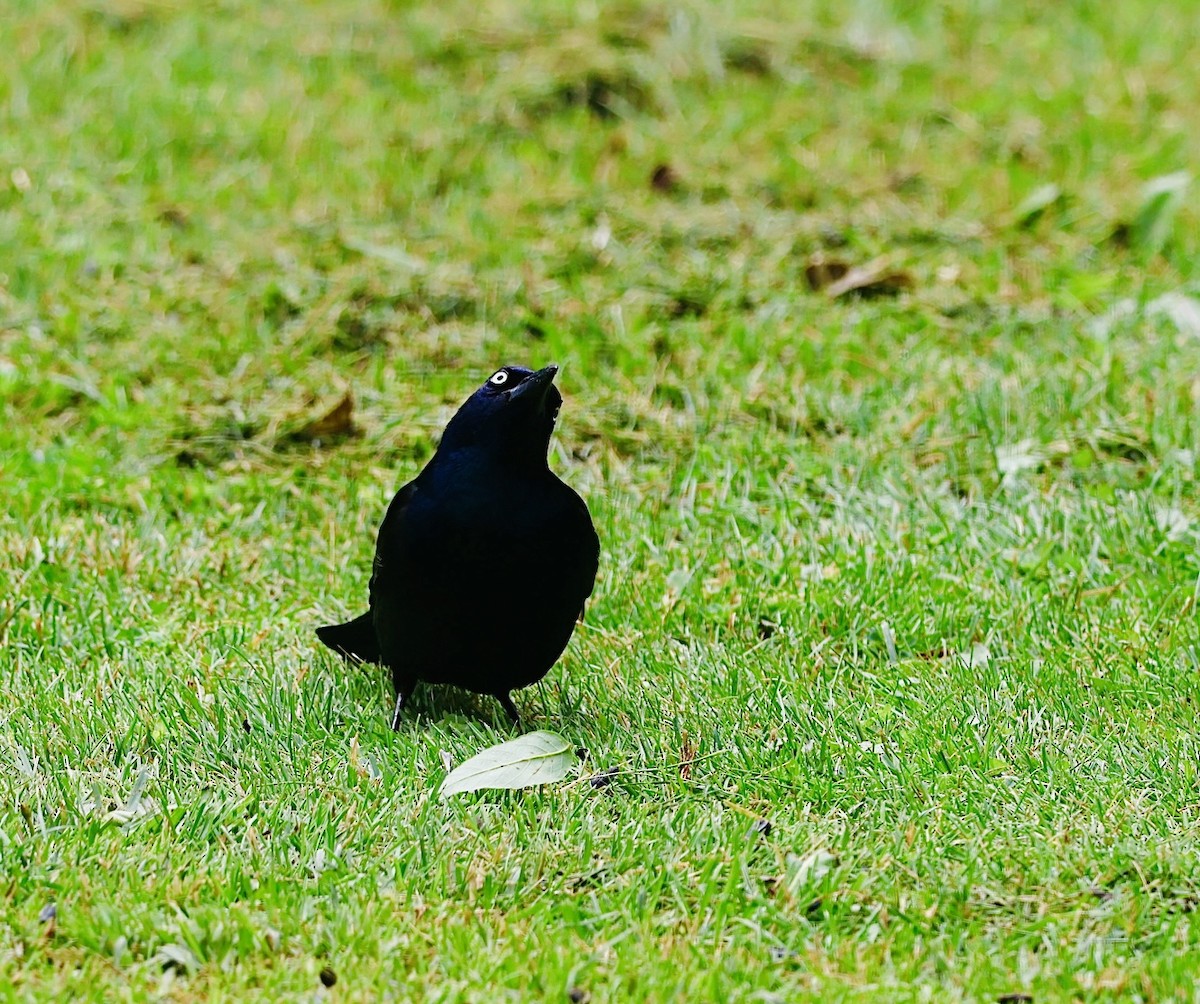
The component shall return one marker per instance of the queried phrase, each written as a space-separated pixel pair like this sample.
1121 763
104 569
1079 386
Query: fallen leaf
821 272
976 657
334 424
178 957
837 278
531 759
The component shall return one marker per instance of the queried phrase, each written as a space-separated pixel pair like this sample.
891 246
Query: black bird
484 561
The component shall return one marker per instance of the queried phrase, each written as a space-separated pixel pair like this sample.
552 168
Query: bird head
513 412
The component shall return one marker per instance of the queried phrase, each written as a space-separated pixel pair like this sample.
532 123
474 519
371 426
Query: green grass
912 578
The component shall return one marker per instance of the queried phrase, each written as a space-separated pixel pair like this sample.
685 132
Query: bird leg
506 702
404 690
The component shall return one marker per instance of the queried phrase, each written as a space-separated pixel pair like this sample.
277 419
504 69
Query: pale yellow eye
499 378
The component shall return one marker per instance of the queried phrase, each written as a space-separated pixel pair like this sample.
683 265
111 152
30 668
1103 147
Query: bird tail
355 639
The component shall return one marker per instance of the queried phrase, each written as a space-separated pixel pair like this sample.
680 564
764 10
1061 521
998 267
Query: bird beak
538 384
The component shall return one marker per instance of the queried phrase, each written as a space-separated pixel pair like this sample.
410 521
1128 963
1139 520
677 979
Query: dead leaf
876 278
821 272
334 424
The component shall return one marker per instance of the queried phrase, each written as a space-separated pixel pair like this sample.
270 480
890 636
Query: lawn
888 688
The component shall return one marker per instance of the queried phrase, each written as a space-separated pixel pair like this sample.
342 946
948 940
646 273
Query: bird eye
498 379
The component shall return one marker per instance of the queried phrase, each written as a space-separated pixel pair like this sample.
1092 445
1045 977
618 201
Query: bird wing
390 533
583 530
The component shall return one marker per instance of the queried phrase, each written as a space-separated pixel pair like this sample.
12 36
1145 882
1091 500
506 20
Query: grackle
484 561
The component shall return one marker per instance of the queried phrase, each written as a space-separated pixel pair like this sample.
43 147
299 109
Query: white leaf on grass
178 957
976 657
534 758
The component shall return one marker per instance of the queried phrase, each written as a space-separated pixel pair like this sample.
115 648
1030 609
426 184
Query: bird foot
403 693
506 702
